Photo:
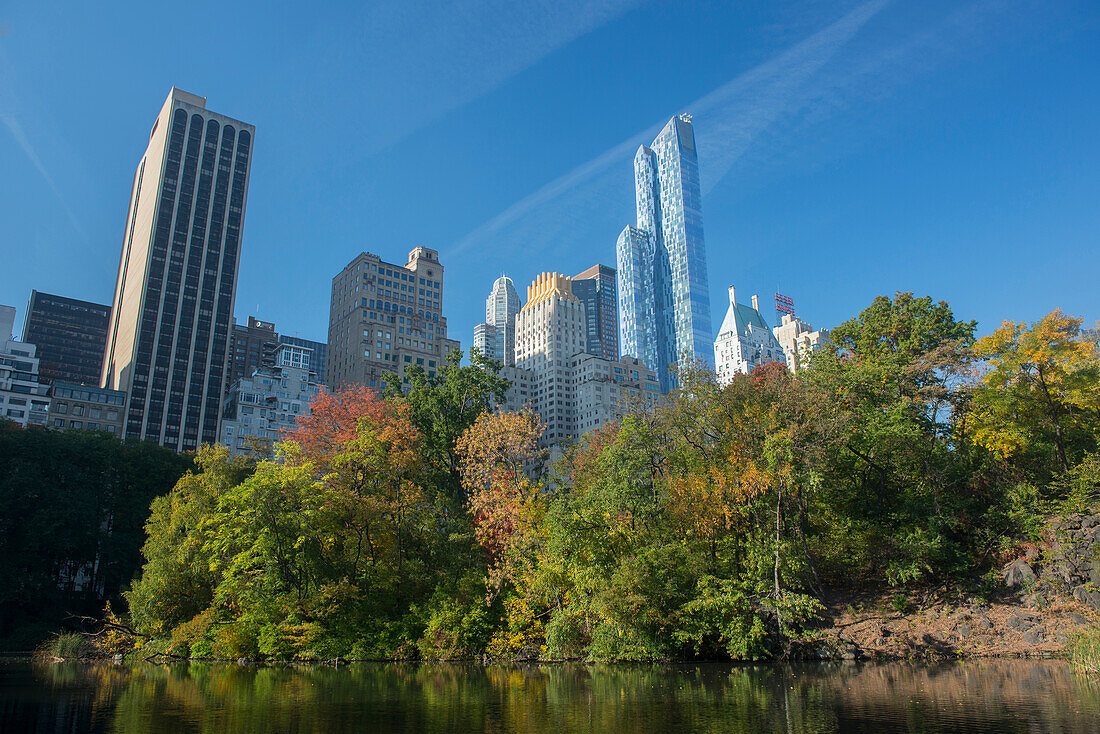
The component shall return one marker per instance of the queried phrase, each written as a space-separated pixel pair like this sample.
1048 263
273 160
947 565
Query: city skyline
915 197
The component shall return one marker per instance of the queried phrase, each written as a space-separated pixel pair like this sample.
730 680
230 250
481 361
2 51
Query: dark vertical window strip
218 211
228 274
186 356
142 365
160 398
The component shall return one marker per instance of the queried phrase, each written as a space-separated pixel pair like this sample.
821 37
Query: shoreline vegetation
915 492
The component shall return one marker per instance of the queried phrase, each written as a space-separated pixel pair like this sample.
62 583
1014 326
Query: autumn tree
501 460
333 421
1040 391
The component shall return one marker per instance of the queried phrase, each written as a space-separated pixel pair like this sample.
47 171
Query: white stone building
23 398
744 342
799 341
260 408
571 390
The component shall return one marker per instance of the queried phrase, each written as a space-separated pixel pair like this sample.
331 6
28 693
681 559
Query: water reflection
994 696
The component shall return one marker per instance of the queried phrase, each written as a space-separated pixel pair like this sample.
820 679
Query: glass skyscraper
495 338
664 304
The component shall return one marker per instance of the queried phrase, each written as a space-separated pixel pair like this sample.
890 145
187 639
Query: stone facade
745 341
799 341
261 408
385 317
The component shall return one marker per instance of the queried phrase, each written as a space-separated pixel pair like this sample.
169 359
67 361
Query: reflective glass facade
596 289
664 305
496 337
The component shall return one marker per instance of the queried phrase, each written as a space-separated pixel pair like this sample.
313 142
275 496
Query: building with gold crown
570 390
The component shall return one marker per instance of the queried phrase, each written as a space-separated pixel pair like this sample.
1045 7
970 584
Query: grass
68 646
1084 651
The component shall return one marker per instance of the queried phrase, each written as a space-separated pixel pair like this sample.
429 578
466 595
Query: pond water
982 696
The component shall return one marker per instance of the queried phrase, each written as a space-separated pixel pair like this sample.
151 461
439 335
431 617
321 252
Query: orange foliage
334 421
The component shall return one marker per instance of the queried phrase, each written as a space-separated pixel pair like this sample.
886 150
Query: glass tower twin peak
664 304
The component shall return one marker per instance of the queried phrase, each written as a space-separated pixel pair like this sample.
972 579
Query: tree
333 421
1040 390
445 405
499 455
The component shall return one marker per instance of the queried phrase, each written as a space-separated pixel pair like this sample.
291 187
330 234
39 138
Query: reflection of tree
1006 695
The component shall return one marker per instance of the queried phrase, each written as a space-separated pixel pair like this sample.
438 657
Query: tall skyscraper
177 277
385 317
70 335
664 305
596 289
495 338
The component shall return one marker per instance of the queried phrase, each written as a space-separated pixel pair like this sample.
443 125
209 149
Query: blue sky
847 149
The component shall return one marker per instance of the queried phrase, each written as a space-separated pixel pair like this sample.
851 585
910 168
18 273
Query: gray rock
1018 573
963 630
984 623
1077 618
1090 522
1087 594
1035 636
1019 624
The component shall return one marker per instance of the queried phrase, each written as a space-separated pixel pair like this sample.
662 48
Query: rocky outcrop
1067 564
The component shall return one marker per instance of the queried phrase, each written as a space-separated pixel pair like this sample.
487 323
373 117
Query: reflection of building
744 342
495 338
385 317
23 398
173 303
596 289
86 407
799 340
664 304
261 407
70 337
571 390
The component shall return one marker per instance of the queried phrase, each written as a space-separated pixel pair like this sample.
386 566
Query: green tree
1039 395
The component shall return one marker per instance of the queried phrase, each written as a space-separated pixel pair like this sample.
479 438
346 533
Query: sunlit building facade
173 305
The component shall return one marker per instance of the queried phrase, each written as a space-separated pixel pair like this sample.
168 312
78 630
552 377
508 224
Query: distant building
86 407
173 304
70 336
744 342
664 303
596 289
318 355
799 340
260 408
570 390
24 399
385 317
250 348
495 337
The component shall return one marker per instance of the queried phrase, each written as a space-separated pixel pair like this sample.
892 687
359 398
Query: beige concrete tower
177 277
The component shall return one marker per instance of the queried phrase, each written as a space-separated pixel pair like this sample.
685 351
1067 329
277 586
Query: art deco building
596 289
745 341
571 390
384 317
495 338
70 336
177 277
664 305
